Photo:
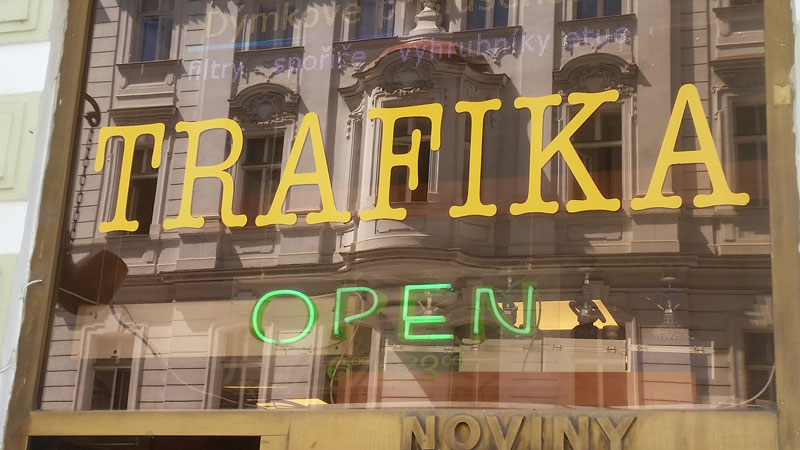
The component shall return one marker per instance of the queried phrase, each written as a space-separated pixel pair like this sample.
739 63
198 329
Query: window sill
123 235
150 65
588 20
252 230
739 11
291 50
151 82
505 30
371 38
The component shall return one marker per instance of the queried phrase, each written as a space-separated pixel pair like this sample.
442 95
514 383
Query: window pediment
265 104
596 73
417 66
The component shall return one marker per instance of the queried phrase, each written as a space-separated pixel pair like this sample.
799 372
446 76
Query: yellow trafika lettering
319 177
688 97
218 171
129 134
539 157
720 194
473 206
390 160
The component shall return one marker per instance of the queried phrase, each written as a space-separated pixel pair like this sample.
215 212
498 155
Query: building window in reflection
155 30
400 192
487 14
260 173
376 19
111 384
241 380
586 9
599 145
750 141
759 360
271 26
142 193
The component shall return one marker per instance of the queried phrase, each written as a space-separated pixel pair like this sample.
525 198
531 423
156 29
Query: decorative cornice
595 73
265 104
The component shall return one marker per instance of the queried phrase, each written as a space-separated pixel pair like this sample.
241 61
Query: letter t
129 134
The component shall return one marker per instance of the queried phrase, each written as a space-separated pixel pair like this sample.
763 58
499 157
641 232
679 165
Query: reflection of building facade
684 295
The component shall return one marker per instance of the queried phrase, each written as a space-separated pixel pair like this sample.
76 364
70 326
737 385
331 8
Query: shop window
376 19
586 9
241 379
260 173
599 145
271 26
142 193
155 29
487 14
111 384
573 309
399 192
759 360
750 142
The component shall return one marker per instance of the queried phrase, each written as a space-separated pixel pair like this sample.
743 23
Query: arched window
266 113
604 142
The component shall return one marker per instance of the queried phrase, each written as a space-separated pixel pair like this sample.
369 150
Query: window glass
143 187
597 8
271 26
599 145
344 205
260 173
375 19
110 386
750 139
612 7
587 8
487 14
155 30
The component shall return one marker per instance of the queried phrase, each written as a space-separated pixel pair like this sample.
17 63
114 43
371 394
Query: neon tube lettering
408 319
258 312
338 331
477 323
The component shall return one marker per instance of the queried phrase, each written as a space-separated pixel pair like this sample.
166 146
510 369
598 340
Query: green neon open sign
483 300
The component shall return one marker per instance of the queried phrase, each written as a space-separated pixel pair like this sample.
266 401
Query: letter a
319 177
720 194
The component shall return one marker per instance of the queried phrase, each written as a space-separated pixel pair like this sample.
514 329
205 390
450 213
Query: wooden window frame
777 429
